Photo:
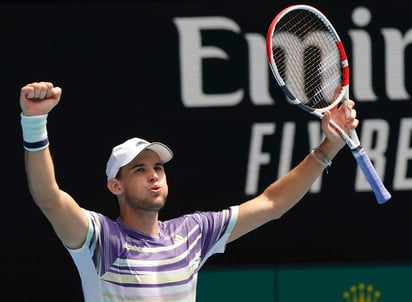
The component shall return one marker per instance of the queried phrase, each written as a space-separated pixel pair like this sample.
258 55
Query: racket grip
381 193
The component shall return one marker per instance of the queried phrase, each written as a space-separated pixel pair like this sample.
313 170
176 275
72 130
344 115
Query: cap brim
164 152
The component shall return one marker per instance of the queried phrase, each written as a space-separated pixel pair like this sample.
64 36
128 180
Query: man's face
144 182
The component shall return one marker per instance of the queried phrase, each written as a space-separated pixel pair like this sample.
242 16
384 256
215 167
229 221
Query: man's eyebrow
137 166
142 165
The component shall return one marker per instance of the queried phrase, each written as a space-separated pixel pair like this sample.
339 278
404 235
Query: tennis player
136 257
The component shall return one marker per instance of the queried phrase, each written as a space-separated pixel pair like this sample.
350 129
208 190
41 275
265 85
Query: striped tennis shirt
118 263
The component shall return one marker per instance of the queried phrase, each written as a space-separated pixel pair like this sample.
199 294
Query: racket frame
351 139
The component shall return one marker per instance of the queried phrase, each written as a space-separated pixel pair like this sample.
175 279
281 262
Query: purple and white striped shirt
118 263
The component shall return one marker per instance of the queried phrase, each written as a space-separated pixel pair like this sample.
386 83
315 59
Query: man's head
124 153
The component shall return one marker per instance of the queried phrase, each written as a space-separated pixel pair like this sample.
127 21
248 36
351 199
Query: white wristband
34 132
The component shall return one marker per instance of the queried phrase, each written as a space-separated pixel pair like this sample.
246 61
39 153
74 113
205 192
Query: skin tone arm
285 192
65 215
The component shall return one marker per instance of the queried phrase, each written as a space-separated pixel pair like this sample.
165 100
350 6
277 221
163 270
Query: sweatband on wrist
34 132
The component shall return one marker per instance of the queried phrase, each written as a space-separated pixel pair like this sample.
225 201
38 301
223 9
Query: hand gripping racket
309 63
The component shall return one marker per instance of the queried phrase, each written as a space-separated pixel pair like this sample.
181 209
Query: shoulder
203 219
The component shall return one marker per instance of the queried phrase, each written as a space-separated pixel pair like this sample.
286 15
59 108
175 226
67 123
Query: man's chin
158 206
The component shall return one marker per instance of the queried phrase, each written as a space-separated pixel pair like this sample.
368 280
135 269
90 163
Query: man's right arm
67 218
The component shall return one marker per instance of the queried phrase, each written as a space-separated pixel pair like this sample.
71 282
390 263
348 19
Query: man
137 257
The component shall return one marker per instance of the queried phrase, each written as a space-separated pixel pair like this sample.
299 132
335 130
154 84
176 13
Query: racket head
307 58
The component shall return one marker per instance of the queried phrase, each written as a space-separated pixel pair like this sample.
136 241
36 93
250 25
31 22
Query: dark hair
118 174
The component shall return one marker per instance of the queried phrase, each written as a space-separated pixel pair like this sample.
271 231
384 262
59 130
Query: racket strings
311 67
322 79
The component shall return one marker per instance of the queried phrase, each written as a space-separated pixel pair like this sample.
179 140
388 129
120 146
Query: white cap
124 153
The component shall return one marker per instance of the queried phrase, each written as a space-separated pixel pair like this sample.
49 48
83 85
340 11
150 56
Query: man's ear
114 186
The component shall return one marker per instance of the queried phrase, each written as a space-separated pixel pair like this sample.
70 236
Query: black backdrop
119 66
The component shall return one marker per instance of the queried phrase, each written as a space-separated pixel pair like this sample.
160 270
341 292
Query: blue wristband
36 145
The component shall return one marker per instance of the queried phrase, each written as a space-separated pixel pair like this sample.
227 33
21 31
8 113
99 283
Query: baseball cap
124 153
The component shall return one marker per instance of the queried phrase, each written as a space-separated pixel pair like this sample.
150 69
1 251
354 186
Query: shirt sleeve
82 258
227 222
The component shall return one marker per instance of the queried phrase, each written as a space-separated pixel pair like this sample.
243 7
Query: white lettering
401 180
361 57
286 148
257 158
258 71
191 54
395 62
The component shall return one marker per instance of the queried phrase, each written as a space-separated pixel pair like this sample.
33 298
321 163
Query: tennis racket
309 63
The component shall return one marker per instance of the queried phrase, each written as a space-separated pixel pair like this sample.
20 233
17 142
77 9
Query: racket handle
381 193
